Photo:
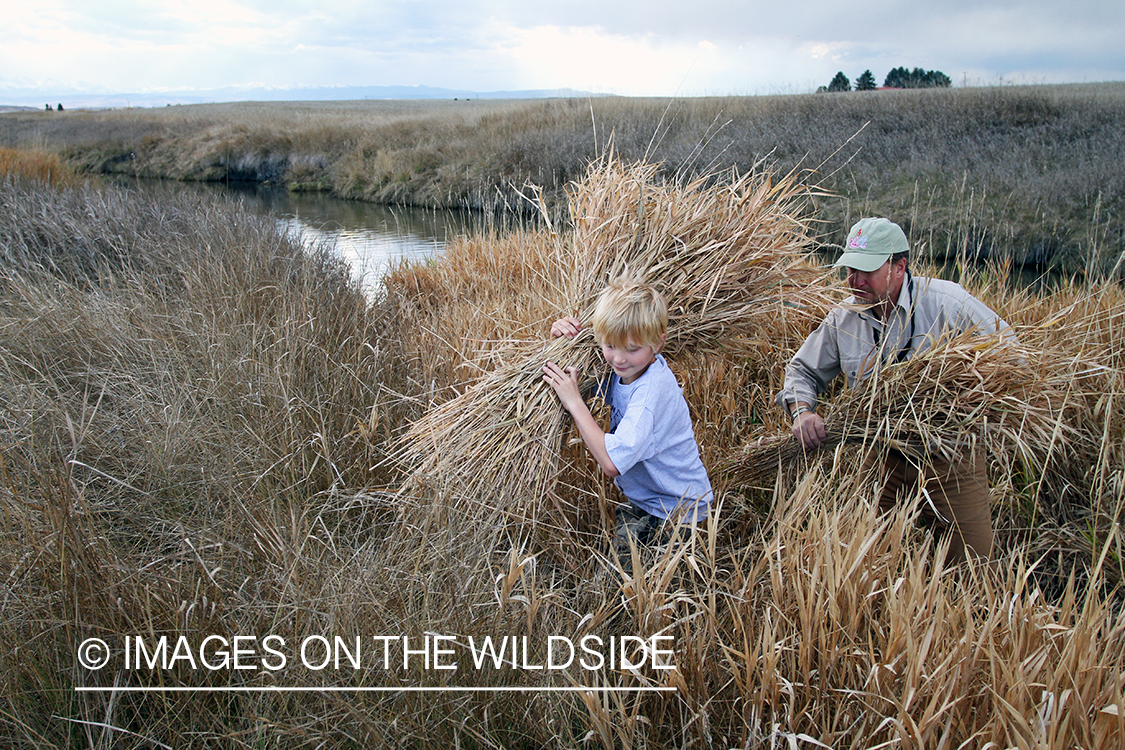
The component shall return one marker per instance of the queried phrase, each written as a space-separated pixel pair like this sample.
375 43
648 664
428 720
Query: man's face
879 286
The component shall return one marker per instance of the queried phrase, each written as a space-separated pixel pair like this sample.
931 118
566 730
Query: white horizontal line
302 689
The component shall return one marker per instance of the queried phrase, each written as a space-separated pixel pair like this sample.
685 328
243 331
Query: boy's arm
565 385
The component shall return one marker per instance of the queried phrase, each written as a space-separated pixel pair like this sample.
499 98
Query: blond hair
629 311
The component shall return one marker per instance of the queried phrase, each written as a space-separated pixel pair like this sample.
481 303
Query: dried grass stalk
966 389
730 258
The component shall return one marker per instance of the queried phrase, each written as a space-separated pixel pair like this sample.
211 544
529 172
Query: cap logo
859 241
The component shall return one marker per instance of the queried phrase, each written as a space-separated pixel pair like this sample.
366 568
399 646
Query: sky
625 47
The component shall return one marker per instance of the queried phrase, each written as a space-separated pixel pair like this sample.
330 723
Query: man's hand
809 429
569 327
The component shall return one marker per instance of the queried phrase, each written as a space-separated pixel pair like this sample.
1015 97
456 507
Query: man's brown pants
955 498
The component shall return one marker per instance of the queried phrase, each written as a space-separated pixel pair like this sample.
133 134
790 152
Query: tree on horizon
901 78
840 83
865 82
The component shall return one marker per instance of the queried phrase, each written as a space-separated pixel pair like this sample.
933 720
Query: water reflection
370 237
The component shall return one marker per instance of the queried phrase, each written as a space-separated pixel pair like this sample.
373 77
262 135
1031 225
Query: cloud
818 51
579 57
640 47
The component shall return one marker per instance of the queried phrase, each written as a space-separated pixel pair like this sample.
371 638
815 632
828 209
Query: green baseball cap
871 243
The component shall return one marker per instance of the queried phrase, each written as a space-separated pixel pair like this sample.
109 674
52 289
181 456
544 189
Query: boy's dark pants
645 529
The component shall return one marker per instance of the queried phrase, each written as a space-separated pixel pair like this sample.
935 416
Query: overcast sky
628 47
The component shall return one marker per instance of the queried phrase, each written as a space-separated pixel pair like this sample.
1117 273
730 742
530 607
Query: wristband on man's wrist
799 411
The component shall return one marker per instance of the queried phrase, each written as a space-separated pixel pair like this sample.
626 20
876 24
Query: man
891 316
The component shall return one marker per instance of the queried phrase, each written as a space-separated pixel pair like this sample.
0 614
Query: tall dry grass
802 616
176 375
728 256
37 165
192 409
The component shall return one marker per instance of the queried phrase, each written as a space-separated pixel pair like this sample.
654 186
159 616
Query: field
210 432
1029 173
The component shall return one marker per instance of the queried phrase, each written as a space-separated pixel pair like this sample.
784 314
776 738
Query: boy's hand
568 326
565 384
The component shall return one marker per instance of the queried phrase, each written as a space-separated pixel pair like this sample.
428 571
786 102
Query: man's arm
948 306
815 364
979 316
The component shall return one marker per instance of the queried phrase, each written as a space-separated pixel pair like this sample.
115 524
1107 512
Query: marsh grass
192 409
1026 173
41 166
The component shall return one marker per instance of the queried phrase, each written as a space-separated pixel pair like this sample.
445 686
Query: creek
371 237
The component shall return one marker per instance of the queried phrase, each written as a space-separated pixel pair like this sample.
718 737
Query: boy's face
630 361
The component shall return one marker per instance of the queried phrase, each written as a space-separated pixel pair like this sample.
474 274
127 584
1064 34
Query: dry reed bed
40 166
949 164
842 633
132 316
963 392
177 380
809 621
729 257
486 292
829 624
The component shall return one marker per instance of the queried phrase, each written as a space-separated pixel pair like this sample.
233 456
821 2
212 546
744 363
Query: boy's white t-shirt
652 444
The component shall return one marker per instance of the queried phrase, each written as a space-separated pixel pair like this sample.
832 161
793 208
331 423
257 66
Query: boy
650 450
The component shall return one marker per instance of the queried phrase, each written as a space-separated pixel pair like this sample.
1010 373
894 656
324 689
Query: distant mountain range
70 98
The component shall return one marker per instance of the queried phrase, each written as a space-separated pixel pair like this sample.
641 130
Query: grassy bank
1028 173
194 422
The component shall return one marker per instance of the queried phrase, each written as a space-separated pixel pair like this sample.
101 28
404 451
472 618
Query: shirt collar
904 293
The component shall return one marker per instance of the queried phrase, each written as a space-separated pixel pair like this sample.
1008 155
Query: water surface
369 236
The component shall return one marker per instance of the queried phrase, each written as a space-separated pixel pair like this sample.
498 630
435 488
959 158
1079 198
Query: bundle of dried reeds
729 256
965 389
